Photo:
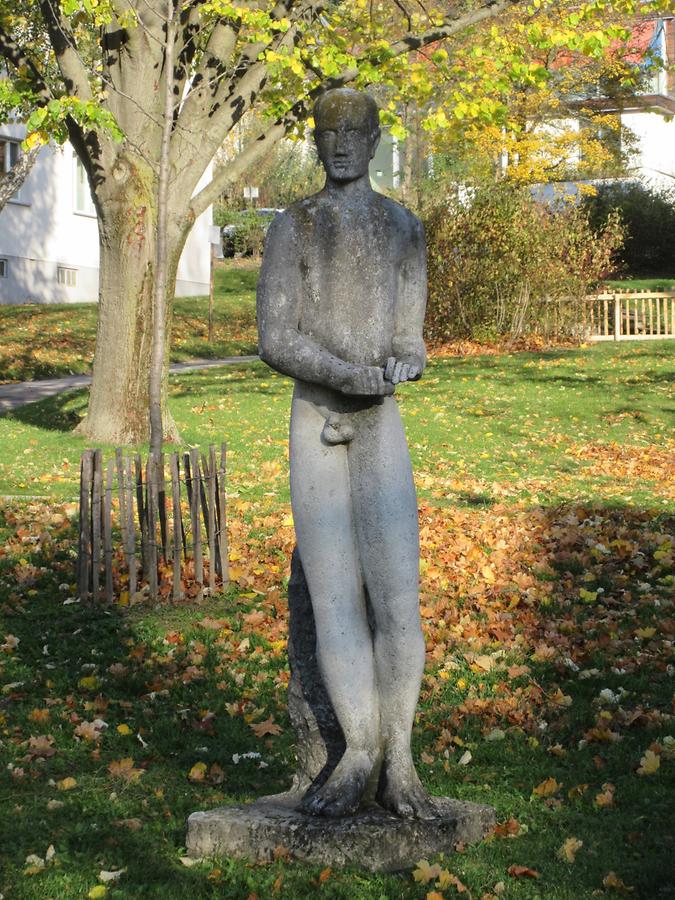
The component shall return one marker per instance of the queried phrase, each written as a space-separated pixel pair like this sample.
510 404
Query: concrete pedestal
372 839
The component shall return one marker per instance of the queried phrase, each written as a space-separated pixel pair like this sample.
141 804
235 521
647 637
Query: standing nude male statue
341 303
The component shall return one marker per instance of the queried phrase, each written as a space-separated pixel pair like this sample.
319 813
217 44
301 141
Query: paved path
18 394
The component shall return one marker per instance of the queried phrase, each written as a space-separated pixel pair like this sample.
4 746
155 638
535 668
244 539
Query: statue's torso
350 261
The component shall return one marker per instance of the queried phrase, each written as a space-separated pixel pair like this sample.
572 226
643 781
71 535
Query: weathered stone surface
372 839
319 739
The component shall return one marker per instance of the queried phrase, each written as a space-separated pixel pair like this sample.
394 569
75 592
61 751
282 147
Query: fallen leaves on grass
612 880
125 770
569 849
269 726
547 788
649 764
516 871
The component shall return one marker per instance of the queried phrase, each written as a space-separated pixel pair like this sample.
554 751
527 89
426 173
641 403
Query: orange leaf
266 727
547 787
516 871
124 769
508 829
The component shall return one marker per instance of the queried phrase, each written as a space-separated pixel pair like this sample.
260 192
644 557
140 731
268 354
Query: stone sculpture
341 302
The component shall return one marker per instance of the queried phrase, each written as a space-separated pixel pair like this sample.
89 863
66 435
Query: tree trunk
119 411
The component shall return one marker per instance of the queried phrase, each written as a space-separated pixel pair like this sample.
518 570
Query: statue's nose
341 143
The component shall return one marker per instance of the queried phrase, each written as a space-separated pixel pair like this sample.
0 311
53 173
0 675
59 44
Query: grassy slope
49 341
576 440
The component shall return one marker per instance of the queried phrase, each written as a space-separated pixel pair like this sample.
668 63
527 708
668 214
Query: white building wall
655 161
41 231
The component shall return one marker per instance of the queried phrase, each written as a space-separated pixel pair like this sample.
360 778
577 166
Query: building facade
49 233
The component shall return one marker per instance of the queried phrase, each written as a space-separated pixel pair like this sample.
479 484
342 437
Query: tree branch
11 181
269 137
69 61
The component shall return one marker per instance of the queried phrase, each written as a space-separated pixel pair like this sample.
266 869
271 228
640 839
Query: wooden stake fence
181 539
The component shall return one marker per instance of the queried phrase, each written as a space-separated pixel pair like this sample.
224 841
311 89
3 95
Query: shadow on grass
62 412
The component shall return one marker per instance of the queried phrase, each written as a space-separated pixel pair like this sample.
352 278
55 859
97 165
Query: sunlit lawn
547 491
47 341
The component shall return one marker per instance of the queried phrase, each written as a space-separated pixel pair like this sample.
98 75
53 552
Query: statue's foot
402 793
342 793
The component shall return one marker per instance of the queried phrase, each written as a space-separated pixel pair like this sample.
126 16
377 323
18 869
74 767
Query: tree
103 84
533 100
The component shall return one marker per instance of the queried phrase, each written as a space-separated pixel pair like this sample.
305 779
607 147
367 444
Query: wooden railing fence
630 315
143 527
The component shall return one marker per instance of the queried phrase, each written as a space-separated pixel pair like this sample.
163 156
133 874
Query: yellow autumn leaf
645 633
424 873
197 772
446 880
569 849
96 893
649 764
66 784
612 880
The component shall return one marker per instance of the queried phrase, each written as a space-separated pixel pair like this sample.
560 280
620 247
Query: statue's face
345 138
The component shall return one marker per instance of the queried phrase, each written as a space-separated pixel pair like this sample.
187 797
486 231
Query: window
66 276
3 268
83 202
9 154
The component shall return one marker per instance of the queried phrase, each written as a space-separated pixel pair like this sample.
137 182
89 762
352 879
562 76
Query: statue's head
347 132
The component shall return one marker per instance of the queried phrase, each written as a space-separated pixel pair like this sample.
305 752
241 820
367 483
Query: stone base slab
372 839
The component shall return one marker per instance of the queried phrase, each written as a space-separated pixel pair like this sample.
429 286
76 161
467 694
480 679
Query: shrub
502 263
649 220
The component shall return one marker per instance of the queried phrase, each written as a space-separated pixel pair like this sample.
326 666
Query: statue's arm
281 344
408 344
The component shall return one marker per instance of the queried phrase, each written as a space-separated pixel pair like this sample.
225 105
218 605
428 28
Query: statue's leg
385 514
322 512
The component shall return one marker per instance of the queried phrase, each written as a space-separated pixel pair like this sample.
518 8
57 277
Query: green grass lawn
46 341
547 494
663 283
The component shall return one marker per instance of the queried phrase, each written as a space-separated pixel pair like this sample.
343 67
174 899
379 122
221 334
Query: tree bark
119 410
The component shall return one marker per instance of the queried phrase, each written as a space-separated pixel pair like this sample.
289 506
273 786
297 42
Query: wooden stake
161 500
151 517
97 491
84 549
121 493
194 508
131 529
177 526
107 532
210 473
142 513
222 516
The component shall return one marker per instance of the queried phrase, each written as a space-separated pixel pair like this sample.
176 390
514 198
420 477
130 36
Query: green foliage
50 121
246 236
503 263
648 216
